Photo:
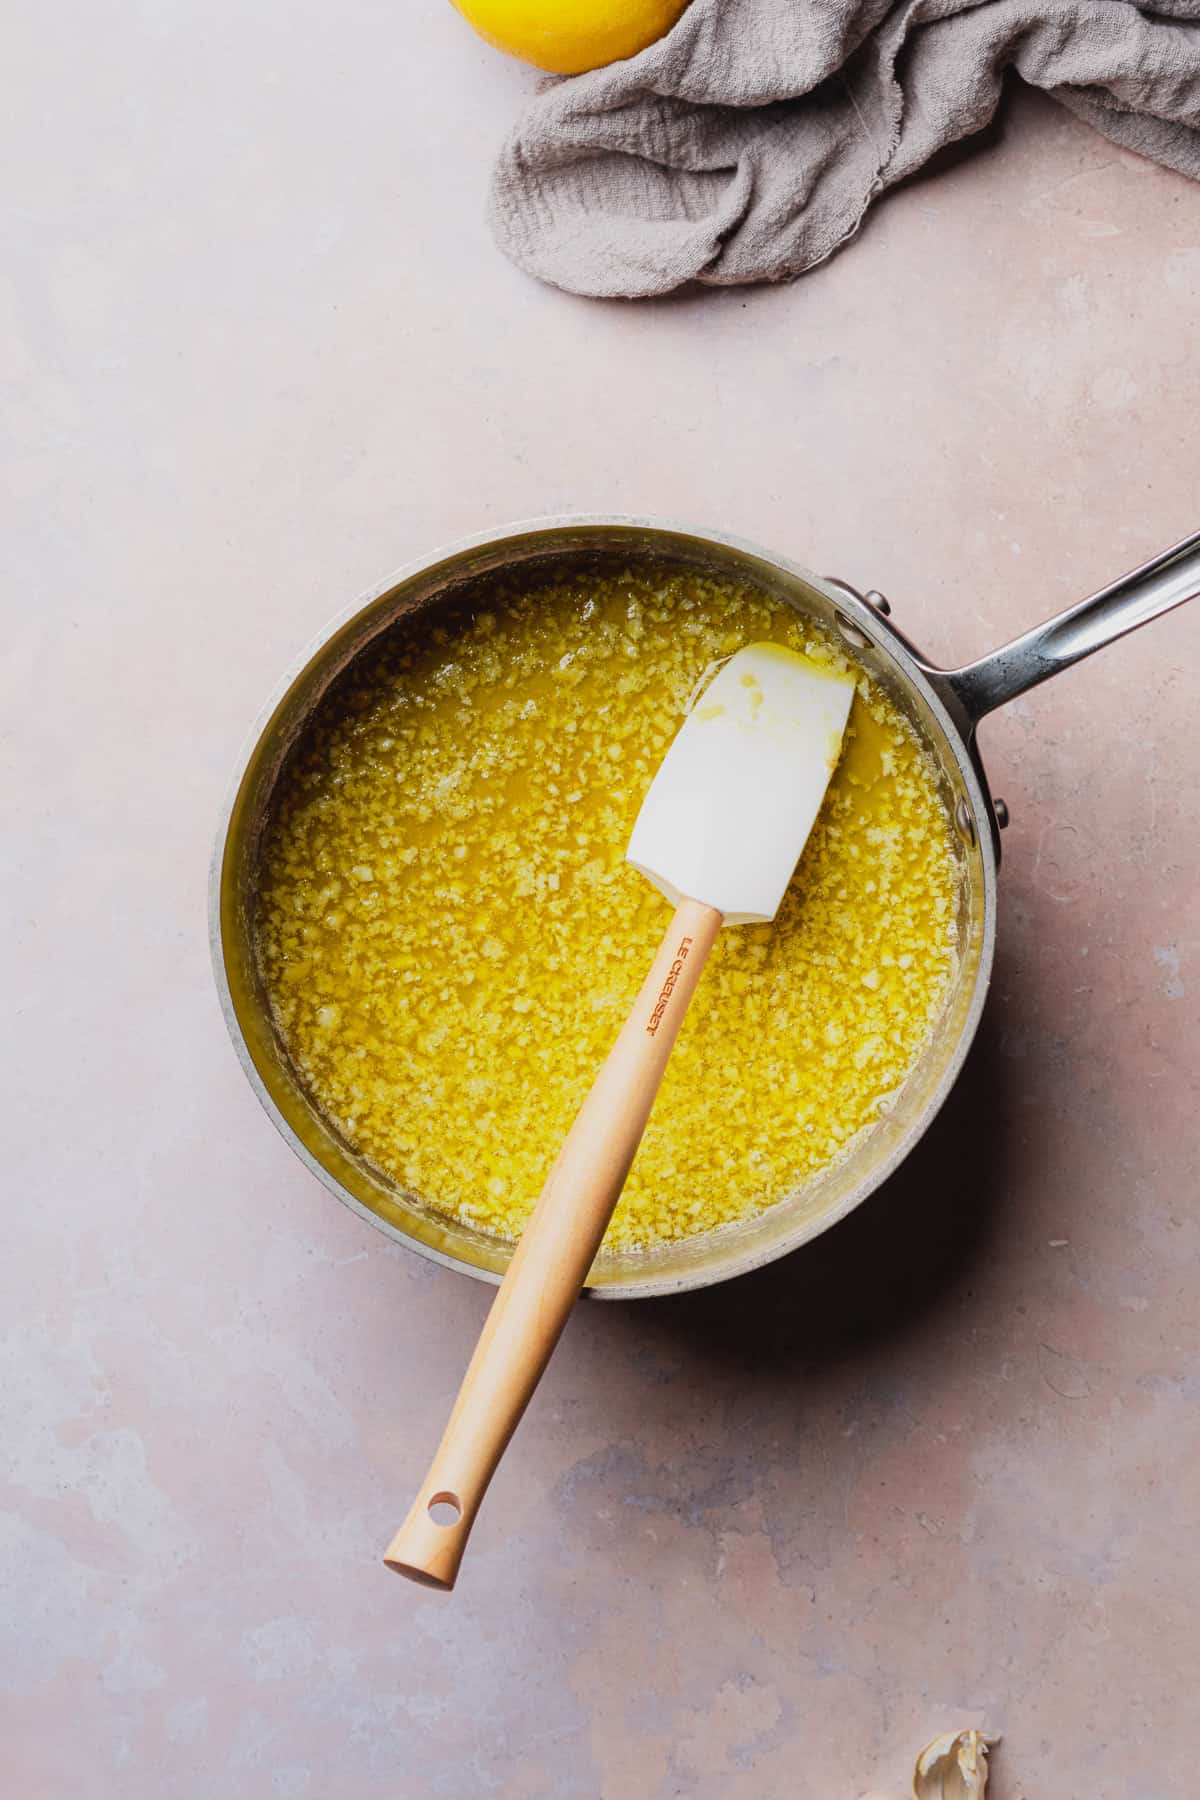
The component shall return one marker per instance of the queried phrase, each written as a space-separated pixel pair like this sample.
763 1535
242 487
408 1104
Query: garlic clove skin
954 1767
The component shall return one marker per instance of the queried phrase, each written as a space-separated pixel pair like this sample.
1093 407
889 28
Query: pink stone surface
940 1468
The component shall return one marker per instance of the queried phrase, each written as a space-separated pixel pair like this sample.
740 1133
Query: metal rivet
879 601
1000 808
965 821
853 636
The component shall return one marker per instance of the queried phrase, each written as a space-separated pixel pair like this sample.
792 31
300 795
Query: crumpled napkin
748 143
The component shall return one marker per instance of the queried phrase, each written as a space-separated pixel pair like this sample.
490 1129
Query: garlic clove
954 1767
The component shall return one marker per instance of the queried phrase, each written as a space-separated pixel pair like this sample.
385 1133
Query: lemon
568 36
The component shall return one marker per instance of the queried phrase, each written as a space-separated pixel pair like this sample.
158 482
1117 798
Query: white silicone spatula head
730 809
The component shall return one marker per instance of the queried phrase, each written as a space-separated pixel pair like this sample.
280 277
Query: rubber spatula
720 833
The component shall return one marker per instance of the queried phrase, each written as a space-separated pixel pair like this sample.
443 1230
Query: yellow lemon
568 36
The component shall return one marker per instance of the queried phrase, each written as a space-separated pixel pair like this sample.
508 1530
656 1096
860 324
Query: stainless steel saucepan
945 706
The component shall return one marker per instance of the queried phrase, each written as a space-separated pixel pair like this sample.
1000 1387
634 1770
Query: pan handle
1164 582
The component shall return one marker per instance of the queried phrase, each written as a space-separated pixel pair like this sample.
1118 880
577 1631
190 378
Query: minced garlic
450 935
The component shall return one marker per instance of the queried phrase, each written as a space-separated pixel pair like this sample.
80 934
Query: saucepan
944 707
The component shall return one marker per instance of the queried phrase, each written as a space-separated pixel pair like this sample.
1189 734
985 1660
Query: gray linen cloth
747 144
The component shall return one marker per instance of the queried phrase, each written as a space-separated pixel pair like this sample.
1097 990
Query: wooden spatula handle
552 1260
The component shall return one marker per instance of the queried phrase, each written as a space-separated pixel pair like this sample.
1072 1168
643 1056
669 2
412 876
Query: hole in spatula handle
444 1509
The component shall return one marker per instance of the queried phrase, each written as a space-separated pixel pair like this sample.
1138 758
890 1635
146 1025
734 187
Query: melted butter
450 936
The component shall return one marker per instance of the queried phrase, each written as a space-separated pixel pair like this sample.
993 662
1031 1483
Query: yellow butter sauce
450 936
